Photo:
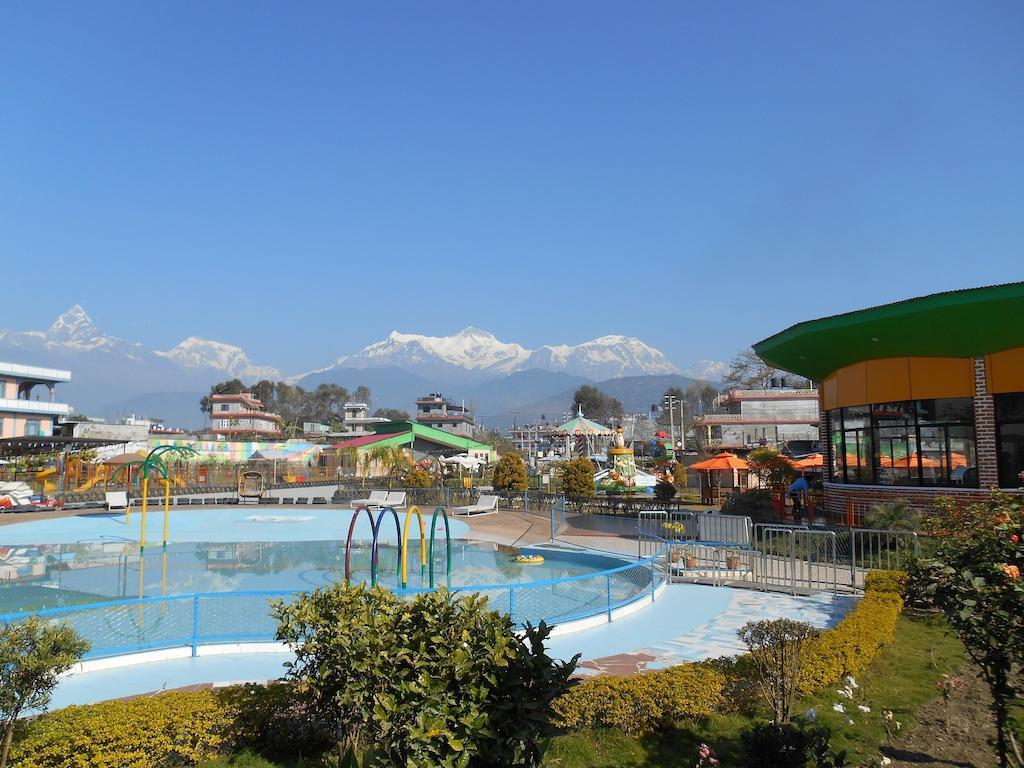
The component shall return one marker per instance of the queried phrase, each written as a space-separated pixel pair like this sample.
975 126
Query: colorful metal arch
376 545
448 546
348 540
405 546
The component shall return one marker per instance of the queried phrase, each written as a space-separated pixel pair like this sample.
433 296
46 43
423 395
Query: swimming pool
213 580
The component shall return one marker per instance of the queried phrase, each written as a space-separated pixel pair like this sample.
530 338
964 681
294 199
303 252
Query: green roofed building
418 439
919 398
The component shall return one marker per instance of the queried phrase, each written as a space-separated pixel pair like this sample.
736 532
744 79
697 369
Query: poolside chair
116 500
375 499
395 499
287 500
319 500
485 505
302 500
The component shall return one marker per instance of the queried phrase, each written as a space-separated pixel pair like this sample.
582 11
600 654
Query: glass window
1010 438
32 427
913 442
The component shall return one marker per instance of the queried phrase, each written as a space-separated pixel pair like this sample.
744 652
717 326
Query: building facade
777 416
22 412
242 414
434 411
919 399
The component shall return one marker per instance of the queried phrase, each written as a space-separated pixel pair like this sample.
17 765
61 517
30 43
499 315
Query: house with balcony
434 411
778 416
242 414
28 400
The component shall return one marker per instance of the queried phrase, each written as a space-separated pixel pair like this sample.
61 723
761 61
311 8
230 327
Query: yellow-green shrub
853 643
170 729
640 703
885 581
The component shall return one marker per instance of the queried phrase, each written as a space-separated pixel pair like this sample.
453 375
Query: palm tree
895 515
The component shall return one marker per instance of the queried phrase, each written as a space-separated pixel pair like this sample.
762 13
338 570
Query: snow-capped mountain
707 370
479 352
606 357
470 349
194 352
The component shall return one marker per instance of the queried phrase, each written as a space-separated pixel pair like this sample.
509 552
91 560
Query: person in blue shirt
797 491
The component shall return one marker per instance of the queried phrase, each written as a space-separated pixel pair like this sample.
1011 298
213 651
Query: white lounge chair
485 505
395 499
376 499
116 500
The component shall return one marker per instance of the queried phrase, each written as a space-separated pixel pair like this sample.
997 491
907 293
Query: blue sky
299 179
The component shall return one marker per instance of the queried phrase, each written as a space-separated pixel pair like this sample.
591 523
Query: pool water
106 565
70 574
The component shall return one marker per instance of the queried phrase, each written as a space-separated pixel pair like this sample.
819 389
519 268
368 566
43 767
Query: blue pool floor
686 623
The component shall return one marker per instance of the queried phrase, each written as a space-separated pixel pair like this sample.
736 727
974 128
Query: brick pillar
985 428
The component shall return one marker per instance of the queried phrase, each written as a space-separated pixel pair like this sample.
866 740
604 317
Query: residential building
434 411
355 422
22 412
919 399
779 416
241 414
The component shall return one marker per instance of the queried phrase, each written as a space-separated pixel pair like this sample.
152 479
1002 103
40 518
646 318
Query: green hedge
640 703
170 729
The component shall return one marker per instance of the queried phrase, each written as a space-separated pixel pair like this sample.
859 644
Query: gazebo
588 435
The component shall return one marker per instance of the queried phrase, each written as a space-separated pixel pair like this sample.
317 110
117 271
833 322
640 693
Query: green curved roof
965 323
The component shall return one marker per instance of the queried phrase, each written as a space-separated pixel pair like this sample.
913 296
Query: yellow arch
405 544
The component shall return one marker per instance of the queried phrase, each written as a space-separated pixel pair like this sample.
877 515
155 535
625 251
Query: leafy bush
885 581
273 720
510 473
777 648
436 680
770 466
642 703
170 729
790 745
578 477
33 655
417 477
974 578
755 504
895 515
664 490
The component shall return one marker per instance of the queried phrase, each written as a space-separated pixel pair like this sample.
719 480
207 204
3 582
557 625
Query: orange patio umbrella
718 463
814 461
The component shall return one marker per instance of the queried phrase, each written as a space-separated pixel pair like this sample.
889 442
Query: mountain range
112 377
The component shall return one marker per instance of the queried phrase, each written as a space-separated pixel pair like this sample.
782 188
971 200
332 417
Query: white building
776 416
22 412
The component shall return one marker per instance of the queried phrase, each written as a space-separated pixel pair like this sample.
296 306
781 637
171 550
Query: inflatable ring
529 559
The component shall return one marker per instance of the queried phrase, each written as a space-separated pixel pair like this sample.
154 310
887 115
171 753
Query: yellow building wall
900 378
1005 371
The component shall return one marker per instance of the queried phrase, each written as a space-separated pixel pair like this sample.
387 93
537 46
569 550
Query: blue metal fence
189 621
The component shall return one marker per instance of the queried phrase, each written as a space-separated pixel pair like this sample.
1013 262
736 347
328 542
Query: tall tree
595 404
363 395
748 371
391 414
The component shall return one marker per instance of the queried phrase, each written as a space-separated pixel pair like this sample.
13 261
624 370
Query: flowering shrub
974 579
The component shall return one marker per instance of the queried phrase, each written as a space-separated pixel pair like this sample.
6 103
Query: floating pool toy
529 559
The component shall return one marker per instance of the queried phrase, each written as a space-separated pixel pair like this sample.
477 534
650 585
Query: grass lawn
902 678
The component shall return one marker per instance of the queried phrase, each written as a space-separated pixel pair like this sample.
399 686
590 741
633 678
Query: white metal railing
34 372
35 406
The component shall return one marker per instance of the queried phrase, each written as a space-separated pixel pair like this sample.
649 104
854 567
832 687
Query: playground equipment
250 485
154 460
101 476
48 478
426 547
